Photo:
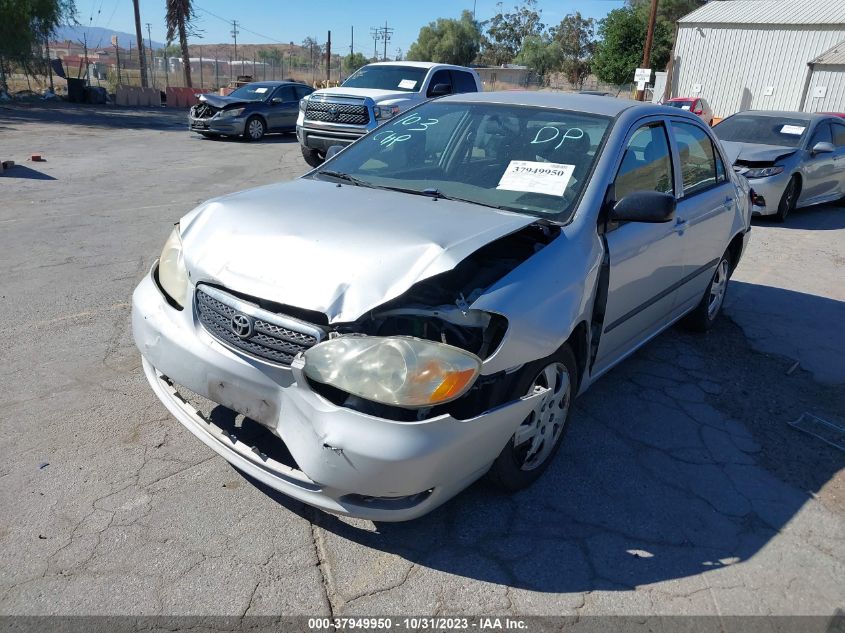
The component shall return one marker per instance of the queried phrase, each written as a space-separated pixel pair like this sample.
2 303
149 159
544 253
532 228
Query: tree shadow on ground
679 461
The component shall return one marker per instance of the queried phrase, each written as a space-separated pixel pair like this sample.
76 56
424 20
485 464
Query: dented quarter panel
269 242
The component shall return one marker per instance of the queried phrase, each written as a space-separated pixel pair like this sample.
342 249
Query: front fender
544 299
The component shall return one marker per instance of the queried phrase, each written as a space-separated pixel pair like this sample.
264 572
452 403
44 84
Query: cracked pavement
680 489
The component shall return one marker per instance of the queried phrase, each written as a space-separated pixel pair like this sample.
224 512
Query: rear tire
788 200
312 156
537 439
702 318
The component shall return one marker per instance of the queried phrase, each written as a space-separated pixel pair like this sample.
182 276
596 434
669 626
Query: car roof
563 101
275 83
685 98
425 65
784 114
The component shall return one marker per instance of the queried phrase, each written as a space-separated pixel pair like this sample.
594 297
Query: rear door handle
728 201
680 224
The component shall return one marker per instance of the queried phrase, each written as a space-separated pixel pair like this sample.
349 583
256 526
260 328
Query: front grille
275 342
331 112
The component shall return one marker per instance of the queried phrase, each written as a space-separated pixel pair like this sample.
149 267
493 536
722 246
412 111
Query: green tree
622 36
576 37
541 54
506 32
25 25
668 10
178 18
353 62
448 41
171 50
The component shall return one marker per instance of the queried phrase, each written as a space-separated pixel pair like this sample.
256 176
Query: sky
269 21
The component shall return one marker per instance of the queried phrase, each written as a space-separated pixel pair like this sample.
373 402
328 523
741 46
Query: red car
696 105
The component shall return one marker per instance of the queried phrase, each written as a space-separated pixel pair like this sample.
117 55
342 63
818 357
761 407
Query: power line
381 34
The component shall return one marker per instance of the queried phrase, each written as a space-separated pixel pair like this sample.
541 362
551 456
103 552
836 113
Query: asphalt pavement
681 488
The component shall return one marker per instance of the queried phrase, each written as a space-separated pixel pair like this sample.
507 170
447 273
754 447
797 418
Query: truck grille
331 112
266 335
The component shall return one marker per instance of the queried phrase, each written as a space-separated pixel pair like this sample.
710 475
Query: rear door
646 261
706 207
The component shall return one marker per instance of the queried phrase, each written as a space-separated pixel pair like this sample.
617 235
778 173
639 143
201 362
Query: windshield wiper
436 194
347 178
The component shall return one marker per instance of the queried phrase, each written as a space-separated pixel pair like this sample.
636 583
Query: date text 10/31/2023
419 623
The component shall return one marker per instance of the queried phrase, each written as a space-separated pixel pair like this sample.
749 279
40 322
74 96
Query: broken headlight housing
402 371
762 172
172 274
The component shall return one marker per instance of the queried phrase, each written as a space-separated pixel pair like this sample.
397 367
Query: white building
763 55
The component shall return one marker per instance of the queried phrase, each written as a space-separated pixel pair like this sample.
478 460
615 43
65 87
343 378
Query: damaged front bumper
344 461
232 126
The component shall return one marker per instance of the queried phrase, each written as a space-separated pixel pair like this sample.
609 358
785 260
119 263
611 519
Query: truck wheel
536 440
312 156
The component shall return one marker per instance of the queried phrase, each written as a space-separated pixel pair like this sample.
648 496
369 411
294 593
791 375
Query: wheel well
578 343
735 250
258 116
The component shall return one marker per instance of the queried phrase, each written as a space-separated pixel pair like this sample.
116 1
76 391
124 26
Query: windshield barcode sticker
260 91
535 177
407 84
798 130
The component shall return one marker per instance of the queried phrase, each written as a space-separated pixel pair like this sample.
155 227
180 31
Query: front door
283 110
705 211
821 182
645 260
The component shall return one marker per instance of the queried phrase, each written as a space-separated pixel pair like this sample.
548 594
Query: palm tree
178 20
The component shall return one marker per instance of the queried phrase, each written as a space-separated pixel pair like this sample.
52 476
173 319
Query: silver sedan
791 159
422 310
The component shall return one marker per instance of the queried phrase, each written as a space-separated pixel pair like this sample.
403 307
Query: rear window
683 105
762 130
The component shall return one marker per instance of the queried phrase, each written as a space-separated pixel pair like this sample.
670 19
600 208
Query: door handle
728 201
680 225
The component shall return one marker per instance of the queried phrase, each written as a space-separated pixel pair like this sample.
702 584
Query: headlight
386 112
762 172
397 370
225 114
303 103
172 274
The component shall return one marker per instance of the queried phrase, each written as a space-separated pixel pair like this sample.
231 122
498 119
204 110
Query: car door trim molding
661 295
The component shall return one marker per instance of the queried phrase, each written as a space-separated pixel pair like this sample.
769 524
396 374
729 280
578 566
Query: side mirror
334 149
644 206
439 90
277 101
822 147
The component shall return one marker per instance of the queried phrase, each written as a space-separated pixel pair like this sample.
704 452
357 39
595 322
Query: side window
463 82
440 77
838 134
821 135
647 163
721 176
697 158
286 94
303 91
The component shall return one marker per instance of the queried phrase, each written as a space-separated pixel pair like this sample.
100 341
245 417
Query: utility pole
235 36
375 33
648 41
200 67
139 37
329 58
49 62
386 37
152 57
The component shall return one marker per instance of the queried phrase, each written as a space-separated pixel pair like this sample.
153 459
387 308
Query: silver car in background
422 309
791 159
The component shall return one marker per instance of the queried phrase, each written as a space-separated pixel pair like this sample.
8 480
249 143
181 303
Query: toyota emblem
333 111
241 325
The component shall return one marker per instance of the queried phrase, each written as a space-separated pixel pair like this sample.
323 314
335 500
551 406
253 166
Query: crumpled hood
338 250
756 153
376 95
219 101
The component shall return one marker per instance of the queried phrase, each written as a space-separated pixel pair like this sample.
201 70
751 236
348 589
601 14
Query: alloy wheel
717 289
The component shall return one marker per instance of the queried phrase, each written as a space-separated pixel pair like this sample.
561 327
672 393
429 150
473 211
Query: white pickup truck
371 96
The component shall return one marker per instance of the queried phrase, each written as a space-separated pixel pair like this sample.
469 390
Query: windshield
530 160
684 105
252 92
401 78
762 130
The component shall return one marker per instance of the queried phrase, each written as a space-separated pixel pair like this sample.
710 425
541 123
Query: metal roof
768 12
835 55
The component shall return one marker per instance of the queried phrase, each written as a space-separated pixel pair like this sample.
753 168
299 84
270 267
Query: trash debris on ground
37 158
6 164
43 465
824 430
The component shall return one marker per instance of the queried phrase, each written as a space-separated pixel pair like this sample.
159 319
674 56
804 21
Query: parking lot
681 488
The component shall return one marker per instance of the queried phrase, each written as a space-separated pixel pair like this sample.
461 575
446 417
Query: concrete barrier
182 97
133 96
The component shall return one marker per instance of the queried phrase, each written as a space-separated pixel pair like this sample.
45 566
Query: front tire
312 156
704 316
537 439
788 199
254 128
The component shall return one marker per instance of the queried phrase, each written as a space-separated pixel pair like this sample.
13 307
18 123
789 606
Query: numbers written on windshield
387 138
